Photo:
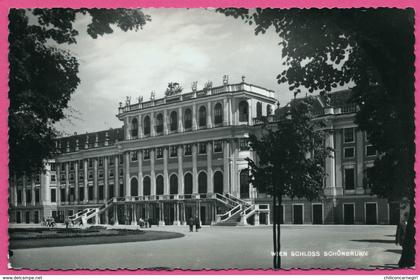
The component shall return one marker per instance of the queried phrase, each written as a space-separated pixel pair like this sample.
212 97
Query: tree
43 76
372 50
290 161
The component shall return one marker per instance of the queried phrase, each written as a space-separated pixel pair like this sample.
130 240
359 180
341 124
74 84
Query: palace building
184 155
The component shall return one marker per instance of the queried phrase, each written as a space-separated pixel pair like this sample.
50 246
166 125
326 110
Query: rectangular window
53 193
71 166
111 173
63 177
101 192
368 177
101 174
62 195
28 196
218 146
349 181
133 156
202 148
81 193
121 159
63 167
349 135
81 176
174 151
121 190
71 194
90 193
370 150
19 196
71 177
90 176
90 163
37 179
159 153
187 150
243 145
349 152
146 154
36 195
111 161
53 167
53 178
81 165
121 172
111 191
101 162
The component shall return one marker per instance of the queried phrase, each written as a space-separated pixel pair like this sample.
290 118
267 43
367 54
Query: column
140 171
165 122
161 214
176 213
226 166
115 214
210 188
180 120
257 218
116 176
127 175
67 183
359 153
133 215
152 172
127 129
106 182
33 191
249 112
140 130
225 112
76 182
194 117
180 171
209 115
85 179
165 171
24 191
95 180
194 168
152 125
330 165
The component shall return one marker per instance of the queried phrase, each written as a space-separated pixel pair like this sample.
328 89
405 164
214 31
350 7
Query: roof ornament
207 86
127 101
225 80
120 104
327 100
243 79
140 99
152 95
194 86
173 88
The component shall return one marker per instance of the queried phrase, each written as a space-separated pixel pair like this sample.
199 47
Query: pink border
6 4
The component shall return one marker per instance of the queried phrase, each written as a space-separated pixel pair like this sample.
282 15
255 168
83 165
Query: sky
178 45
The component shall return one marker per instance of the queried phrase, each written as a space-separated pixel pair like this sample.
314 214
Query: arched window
173 121
146 185
134 128
202 183
218 114
187 119
269 110
244 184
259 110
159 185
173 184
146 126
159 123
134 187
188 184
243 111
218 182
202 116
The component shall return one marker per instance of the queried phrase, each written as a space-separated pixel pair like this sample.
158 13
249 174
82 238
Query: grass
53 237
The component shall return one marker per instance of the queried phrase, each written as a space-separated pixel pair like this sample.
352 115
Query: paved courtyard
230 247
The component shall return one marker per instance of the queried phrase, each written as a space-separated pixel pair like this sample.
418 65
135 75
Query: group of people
48 222
194 222
147 224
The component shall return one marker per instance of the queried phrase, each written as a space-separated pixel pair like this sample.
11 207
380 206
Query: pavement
241 247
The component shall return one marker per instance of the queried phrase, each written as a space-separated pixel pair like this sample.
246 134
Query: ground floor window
348 213
317 214
371 213
298 214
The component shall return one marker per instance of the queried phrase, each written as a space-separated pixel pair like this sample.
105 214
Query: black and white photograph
211 138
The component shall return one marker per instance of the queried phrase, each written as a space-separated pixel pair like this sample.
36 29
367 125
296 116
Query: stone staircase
88 213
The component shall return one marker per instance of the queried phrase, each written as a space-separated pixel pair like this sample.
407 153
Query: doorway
370 213
317 214
298 214
348 214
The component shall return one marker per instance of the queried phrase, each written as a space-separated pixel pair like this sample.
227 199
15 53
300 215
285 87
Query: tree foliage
43 76
371 49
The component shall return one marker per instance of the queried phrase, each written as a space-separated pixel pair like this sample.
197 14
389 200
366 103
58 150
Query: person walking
197 223
191 223
401 229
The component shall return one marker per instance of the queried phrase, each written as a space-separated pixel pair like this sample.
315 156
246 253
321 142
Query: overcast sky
178 45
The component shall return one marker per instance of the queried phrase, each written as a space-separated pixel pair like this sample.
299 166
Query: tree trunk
278 233
274 233
409 251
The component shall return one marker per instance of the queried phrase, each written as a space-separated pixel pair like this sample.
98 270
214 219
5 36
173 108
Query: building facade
184 155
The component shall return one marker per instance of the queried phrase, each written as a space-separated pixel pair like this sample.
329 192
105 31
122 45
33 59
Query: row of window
28 196
350 152
350 178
